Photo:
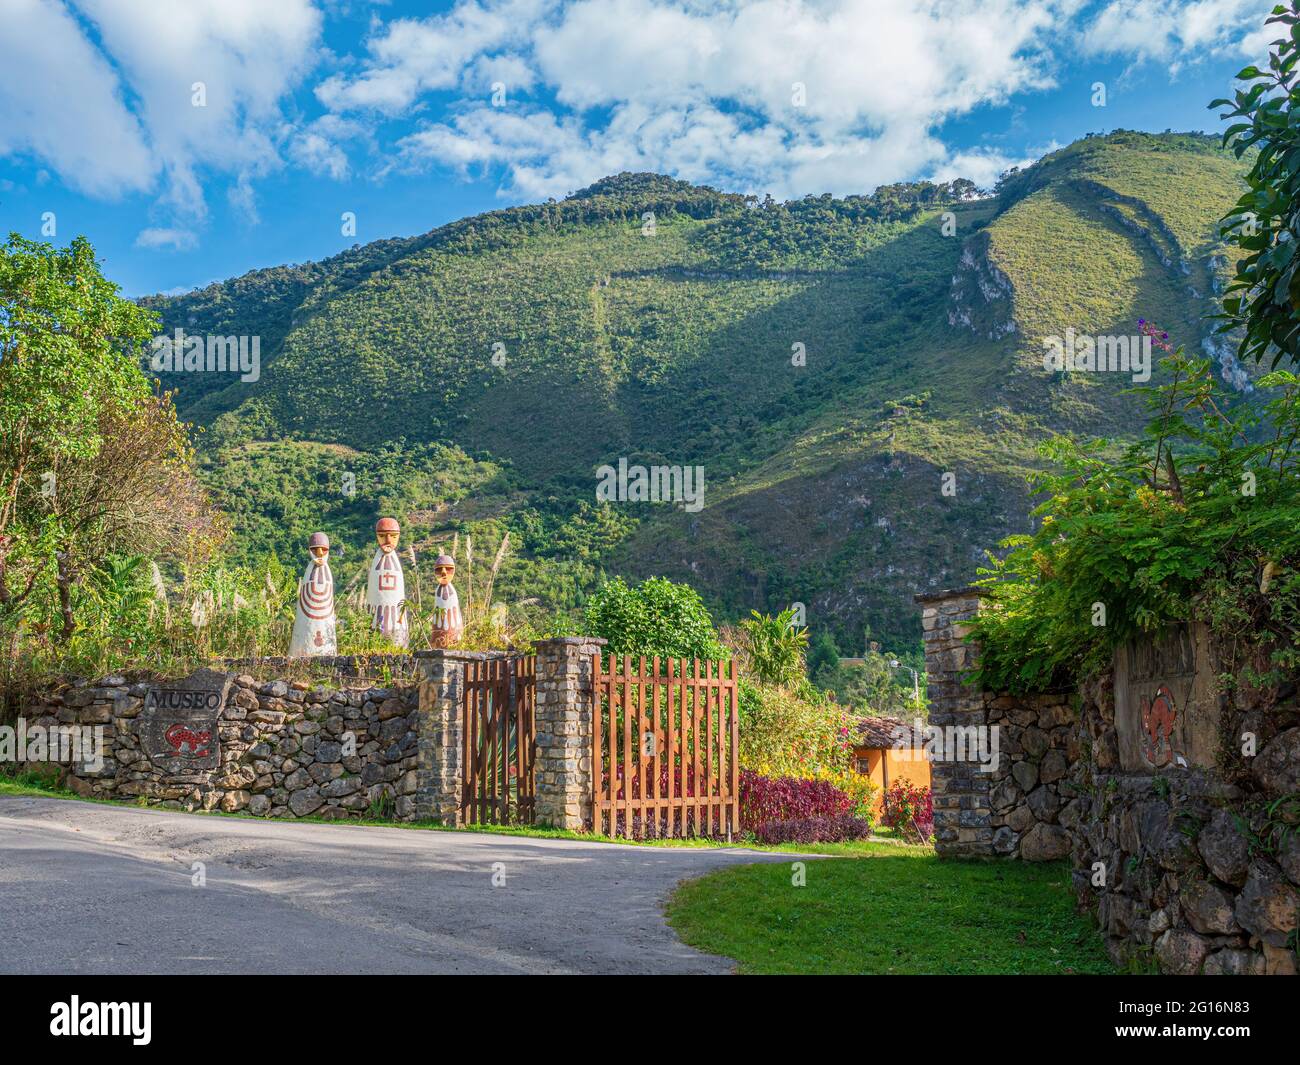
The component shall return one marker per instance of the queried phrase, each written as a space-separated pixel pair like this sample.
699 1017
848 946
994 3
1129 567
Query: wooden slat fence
498 730
664 748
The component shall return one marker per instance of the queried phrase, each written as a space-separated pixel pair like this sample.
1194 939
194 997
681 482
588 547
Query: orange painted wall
886 765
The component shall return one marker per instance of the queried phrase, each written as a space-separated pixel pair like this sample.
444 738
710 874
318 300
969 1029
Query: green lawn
894 910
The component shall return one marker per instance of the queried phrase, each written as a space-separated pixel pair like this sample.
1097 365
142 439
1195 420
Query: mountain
475 378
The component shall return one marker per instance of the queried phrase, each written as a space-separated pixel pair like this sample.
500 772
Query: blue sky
193 141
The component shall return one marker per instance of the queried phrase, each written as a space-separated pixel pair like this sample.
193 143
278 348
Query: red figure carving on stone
1158 717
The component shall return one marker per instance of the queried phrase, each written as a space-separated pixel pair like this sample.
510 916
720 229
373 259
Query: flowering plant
909 809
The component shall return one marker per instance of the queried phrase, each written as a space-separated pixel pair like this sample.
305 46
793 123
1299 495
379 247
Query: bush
786 733
1197 521
657 617
764 799
814 830
857 786
909 810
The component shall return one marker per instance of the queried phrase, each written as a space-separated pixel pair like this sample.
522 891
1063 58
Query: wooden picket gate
499 732
664 748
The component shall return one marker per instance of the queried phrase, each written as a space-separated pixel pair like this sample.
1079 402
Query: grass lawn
892 910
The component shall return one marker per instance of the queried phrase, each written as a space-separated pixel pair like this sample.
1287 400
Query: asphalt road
90 888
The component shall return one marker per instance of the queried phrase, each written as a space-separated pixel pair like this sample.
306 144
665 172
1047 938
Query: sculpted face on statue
447 622
387 533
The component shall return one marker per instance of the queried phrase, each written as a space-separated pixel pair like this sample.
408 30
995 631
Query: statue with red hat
386 586
447 624
313 622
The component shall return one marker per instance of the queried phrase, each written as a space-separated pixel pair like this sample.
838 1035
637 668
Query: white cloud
63 104
103 93
985 165
166 239
246 54
413 56
787 96
1162 30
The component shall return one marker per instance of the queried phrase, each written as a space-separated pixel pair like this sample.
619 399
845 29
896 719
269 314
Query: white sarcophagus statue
386 587
313 622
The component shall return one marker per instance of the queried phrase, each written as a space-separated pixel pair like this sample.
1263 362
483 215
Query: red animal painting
197 740
1159 715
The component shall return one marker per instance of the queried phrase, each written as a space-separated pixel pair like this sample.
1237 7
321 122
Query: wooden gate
498 730
664 748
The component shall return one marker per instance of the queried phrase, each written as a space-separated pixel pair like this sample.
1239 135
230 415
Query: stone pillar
963 818
441 735
563 716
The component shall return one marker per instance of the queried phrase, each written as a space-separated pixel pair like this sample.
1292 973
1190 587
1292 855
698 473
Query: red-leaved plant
764 799
814 830
908 808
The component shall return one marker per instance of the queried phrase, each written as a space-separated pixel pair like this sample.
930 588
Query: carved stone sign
178 724
1166 701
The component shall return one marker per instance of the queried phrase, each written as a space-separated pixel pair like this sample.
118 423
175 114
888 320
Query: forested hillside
473 379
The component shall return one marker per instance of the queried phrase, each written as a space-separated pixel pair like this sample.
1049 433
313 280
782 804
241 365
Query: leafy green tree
882 684
1264 296
92 463
823 655
655 617
69 346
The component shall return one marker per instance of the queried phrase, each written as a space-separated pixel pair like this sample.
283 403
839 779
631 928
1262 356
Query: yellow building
888 749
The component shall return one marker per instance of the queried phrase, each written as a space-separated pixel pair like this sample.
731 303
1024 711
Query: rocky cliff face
981 297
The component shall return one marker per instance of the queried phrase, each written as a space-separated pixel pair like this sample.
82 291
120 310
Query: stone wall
564 715
283 747
338 747
963 823
1190 864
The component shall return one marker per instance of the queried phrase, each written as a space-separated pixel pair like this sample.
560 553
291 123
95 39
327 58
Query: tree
138 494
656 617
823 655
91 460
1264 296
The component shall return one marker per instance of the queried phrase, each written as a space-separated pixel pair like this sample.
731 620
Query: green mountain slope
473 379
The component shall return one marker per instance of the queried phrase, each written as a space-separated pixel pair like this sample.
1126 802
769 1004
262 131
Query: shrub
857 786
1197 521
785 733
814 830
908 809
656 617
764 799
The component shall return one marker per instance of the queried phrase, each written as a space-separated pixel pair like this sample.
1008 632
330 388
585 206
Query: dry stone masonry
346 748
1183 847
269 748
